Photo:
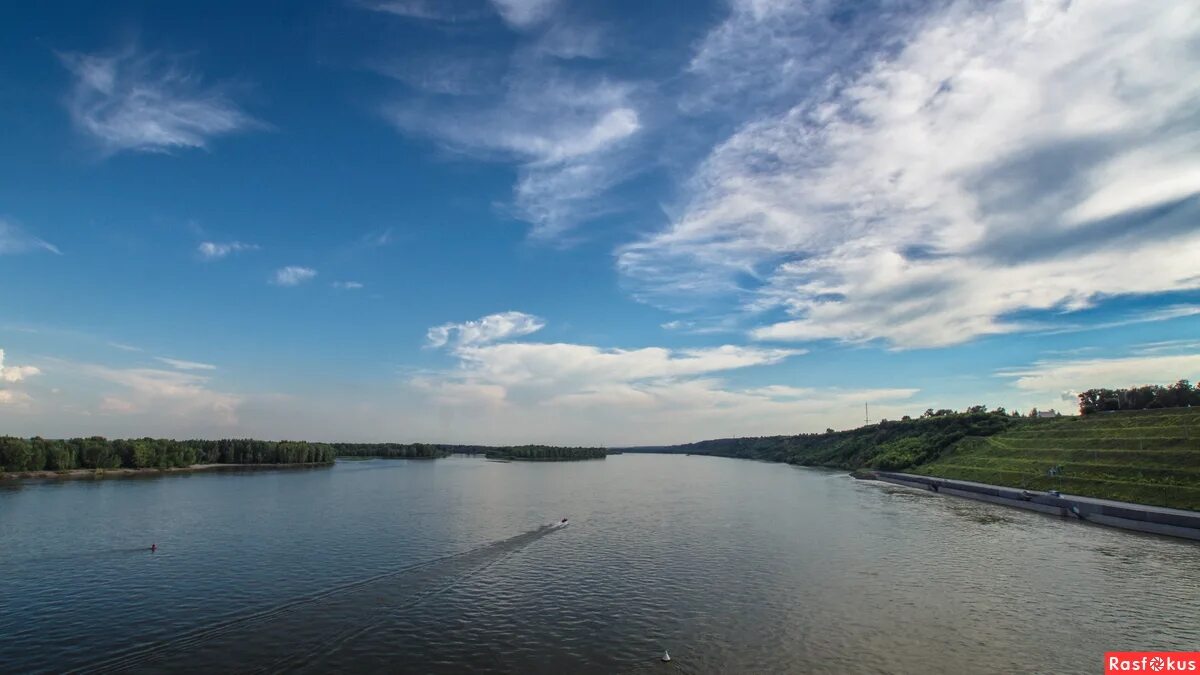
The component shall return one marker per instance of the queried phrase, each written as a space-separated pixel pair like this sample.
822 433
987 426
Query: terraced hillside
1145 456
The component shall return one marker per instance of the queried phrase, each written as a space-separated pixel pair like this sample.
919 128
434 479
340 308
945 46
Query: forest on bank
1149 397
894 445
96 452
544 453
889 445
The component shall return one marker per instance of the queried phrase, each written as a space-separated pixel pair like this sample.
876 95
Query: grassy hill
1145 456
893 445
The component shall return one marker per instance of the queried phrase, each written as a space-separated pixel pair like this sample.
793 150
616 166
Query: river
443 567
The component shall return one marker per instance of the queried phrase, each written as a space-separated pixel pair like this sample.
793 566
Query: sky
589 222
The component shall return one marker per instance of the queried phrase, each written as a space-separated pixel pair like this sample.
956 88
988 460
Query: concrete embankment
1153 519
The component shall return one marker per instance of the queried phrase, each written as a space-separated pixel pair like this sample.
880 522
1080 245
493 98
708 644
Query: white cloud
169 393
573 393
13 239
555 365
292 275
15 373
128 100
14 398
212 250
491 328
1009 157
347 285
1079 375
179 364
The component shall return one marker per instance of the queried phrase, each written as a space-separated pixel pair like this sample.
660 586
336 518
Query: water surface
444 566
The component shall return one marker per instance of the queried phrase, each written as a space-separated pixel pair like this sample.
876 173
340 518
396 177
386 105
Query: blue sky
501 221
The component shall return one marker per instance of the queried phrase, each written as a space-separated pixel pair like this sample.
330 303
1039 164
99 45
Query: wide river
442 566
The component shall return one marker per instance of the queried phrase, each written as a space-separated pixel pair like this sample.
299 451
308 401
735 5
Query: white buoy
666 657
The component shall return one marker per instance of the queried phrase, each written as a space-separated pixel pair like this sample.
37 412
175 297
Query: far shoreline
126 472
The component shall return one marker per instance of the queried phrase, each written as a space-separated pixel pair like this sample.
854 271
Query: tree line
544 453
97 452
1178 395
394 450
889 445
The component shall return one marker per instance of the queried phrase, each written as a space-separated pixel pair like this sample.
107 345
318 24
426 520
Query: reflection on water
734 566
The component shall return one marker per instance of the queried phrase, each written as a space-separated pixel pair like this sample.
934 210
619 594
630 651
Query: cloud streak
1083 374
180 364
144 102
1004 159
14 240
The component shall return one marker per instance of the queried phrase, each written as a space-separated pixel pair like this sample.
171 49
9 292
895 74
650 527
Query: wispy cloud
14 240
491 328
212 250
170 393
569 130
124 347
147 102
180 364
1000 159
1151 316
516 13
564 131
292 275
379 238
347 285
524 13
449 11
1053 376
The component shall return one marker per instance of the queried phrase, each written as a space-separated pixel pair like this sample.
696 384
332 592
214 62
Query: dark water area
447 566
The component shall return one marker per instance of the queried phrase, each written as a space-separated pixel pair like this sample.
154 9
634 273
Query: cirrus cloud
14 239
1004 158
146 102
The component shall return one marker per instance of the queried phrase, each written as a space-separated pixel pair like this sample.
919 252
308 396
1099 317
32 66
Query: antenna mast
867 413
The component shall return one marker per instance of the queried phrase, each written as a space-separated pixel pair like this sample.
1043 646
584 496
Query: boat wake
296 633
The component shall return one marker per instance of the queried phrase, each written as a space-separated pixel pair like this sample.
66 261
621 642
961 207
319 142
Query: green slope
1145 456
893 445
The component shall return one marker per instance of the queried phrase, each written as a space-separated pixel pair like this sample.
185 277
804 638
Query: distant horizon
611 224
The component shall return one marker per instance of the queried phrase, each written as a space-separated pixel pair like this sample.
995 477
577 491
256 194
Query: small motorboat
666 656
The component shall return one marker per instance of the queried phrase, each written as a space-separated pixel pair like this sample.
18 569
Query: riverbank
1111 513
82 474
